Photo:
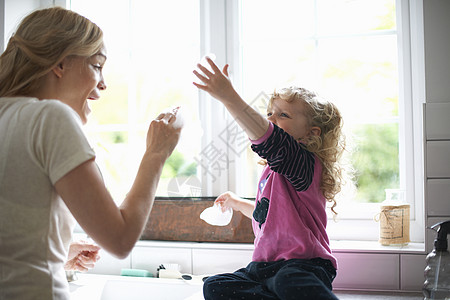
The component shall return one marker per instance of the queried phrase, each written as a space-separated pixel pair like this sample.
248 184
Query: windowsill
340 246
195 245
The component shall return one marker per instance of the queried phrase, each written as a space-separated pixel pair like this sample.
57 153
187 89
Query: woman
48 173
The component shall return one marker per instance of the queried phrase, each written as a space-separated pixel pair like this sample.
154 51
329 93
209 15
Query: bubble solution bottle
437 272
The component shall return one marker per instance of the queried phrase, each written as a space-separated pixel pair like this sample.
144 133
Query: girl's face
291 117
83 81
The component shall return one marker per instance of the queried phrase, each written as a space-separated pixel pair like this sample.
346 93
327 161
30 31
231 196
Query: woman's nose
102 85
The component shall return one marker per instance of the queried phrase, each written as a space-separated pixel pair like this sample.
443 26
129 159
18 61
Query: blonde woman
50 70
301 141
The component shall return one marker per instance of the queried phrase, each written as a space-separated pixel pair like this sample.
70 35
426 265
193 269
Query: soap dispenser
437 272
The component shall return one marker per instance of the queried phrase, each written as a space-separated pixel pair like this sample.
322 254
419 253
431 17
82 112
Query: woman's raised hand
164 133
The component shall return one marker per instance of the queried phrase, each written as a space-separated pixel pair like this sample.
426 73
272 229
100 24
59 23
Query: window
347 52
151 50
356 53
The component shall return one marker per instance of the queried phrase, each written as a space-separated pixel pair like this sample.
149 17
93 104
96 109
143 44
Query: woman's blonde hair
42 40
329 145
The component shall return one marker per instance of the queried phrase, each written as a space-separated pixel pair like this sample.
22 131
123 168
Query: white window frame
220 35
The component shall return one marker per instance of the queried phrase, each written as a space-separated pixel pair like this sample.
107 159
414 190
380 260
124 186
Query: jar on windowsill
394 218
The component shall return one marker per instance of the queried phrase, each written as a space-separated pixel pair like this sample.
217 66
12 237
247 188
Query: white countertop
110 287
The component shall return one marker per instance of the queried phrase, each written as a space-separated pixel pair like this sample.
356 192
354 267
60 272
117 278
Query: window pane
165 47
152 49
273 64
263 19
361 75
346 59
112 108
355 16
376 160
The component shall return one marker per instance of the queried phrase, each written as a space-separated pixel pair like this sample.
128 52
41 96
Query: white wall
437 126
437 50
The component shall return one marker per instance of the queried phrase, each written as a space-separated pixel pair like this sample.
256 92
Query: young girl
301 142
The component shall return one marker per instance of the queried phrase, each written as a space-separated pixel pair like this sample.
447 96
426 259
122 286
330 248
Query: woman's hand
216 83
164 133
82 256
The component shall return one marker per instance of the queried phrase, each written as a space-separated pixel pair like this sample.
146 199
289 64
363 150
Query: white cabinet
149 258
412 271
361 270
110 265
367 271
216 261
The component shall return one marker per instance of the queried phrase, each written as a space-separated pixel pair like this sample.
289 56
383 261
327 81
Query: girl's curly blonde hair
329 145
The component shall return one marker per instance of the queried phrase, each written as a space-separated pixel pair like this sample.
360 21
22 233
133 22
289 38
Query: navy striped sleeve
287 157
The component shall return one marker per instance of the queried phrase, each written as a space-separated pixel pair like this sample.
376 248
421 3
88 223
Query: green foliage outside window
376 160
177 165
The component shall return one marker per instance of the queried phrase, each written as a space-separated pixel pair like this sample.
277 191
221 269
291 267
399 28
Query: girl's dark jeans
288 279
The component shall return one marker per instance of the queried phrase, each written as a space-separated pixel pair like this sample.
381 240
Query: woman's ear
59 69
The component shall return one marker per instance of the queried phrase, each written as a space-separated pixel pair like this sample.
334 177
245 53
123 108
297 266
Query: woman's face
83 81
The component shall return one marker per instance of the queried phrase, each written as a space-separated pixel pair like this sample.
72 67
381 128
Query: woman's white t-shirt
40 142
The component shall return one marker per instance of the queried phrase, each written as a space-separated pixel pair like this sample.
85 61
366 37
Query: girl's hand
228 200
231 200
82 256
216 83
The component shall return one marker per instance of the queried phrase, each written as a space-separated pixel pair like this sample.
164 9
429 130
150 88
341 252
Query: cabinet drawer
110 265
216 261
150 258
411 274
367 271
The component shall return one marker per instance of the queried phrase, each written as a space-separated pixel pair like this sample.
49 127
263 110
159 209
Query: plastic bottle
437 272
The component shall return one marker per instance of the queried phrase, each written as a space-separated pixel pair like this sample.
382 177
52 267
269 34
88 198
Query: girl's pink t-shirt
295 224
